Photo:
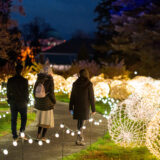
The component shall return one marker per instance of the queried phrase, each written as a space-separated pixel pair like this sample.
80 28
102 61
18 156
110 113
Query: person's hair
19 68
84 73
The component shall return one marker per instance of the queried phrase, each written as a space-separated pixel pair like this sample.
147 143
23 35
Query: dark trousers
80 124
14 114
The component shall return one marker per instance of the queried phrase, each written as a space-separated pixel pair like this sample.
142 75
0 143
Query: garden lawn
5 123
105 149
4 106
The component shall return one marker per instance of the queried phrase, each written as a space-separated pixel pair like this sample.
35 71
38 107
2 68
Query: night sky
66 16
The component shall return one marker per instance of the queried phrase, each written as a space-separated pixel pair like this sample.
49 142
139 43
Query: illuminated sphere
153 136
101 89
97 79
119 89
5 152
140 108
124 131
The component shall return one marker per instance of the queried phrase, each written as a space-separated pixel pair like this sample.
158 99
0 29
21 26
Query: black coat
82 97
17 91
49 101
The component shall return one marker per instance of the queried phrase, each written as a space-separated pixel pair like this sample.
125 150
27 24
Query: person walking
18 97
44 101
82 97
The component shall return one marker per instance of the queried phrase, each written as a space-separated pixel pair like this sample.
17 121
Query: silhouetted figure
82 97
44 101
18 97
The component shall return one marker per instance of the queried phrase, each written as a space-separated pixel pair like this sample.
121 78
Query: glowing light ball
119 89
101 89
146 87
153 136
124 131
97 79
140 108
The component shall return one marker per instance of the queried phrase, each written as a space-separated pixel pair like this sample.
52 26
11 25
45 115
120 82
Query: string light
48 141
30 141
68 131
57 135
5 152
72 133
22 134
61 125
15 143
40 143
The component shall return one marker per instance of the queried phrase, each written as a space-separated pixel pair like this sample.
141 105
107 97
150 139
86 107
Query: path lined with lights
61 139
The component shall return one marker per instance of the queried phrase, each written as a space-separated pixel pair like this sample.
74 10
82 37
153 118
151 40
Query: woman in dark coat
45 105
82 97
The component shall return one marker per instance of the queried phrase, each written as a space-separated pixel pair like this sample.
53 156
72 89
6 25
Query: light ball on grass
140 108
124 131
153 136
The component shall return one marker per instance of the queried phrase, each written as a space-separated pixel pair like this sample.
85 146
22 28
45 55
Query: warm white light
100 121
72 134
5 152
79 132
48 141
7 112
0 116
91 120
4 115
40 143
22 134
84 127
15 143
68 131
61 125
57 135
30 141
135 72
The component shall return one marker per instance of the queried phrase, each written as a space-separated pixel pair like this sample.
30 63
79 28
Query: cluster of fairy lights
62 127
128 121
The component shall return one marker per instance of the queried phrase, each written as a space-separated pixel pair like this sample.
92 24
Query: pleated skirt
45 119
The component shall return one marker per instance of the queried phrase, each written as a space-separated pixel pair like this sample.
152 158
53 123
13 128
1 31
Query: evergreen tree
139 37
105 28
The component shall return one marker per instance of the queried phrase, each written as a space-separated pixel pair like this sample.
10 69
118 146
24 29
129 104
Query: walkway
52 151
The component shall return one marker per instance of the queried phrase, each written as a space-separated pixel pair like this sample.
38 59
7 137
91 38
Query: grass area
4 106
105 149
5 123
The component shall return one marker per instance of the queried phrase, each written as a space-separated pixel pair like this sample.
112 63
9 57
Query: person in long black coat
18 97
82 97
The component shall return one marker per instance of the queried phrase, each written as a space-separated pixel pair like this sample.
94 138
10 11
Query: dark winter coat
49 101
17 91
82 97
